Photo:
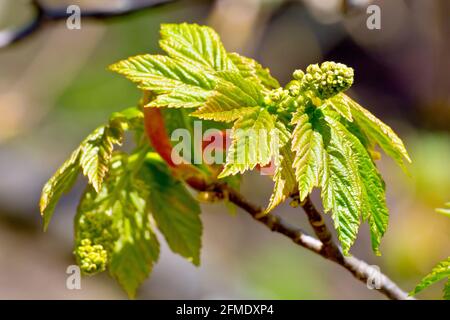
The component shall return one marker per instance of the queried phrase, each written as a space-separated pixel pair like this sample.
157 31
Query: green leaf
233 98
368 143
338 104
60 183
378 131
308 147
244 91
175 211
176 84
96 151
252 70
255 140
373 198
137 248
284 177
341 187
129 240
199 46
439 272
93 156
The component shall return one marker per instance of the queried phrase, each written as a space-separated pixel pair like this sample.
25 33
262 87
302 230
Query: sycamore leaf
243 91
175 211
378 131
373 198
177 85
250 69
341 187
117 218
137 248
308 147
368 143
199 46
92 156
233 97
96 151
255 140
284 177
439 272
61 182
337 103
216 109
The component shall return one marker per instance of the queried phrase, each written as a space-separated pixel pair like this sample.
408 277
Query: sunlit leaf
176 212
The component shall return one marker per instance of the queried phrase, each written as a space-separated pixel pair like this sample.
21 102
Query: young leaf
233 98
61 182
117 219
252 70
96 151
93 156
176 84
378 131
341 187
137 248
340 107
175 211
199 46
284 177
255 140
308 147
373 199
439 272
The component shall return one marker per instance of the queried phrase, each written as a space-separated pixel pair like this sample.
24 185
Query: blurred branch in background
44 14
245 17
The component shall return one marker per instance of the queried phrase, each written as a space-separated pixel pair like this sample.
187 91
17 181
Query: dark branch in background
44 14
326 248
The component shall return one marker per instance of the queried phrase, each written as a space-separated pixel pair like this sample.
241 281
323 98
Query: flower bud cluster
92 258
326 80
97 237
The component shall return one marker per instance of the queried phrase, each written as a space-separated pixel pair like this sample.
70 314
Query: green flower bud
298 74
293 88
97 226
98 236
329 79
277 94
91 258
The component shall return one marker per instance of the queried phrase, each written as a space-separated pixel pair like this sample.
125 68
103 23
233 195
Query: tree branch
326 248
329 248
360 269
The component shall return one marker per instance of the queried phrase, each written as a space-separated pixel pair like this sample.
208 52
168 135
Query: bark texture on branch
327 249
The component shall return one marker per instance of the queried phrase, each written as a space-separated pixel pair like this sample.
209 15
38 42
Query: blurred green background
54 89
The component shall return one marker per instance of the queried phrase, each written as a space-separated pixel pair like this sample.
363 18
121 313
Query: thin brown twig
329 248
358 268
